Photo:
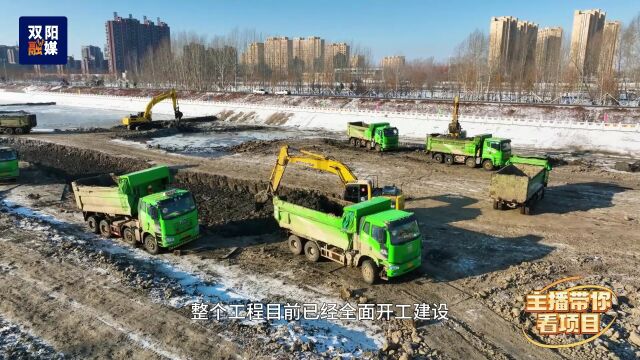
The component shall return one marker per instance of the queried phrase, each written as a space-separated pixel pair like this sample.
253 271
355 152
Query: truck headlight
170 239
394 267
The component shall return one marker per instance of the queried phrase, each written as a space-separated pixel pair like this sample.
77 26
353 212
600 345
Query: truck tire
378 148
438 158
129 237
352 141
312 251
369 271
448 159
8 131
151 245
487 165
92 223
295 245
105 228
19 131
470 162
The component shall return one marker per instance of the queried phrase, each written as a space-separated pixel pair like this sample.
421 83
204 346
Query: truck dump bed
311 224
101 194
457 146
517 182
17 119
357 129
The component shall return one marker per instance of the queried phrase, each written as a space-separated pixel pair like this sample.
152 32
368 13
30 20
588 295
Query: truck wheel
470 162
448 159
92 223
105 228
8 131
19 131
129 237
352 141
487 165
438 158
151 245
295 245
311 251
378 148
369 271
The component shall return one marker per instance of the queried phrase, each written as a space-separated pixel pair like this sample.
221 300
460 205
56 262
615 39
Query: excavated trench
225 205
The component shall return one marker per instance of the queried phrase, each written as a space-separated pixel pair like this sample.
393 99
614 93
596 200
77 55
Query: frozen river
68 117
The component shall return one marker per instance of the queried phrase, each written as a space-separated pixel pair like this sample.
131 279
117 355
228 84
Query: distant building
610 47
313 53
278 54
357 61
8 54
586 40
512 46
393 62
548 50
336 56
128 41
92 59
254 54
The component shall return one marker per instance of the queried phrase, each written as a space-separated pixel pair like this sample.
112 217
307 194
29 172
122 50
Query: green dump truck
378 136
384 242
138 207
8 164
17 122
520 184
485 150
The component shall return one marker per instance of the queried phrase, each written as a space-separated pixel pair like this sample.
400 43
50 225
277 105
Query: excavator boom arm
314 161
156 99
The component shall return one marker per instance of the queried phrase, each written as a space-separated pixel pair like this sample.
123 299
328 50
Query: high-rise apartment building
393 62
128 41
278 54
548 50
586 40
357 61
313 53
254 54
610 47
512 46
336 56
92 59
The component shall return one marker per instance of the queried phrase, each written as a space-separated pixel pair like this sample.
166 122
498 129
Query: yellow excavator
355 190
455 130
143 119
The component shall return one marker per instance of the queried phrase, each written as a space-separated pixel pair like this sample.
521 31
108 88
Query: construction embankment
227 204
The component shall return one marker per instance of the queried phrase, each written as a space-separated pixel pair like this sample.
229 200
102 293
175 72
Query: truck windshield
404 230
391 132
176 206
7 154
506 146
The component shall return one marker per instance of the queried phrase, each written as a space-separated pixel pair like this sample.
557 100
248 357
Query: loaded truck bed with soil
520 184
17 122
139 207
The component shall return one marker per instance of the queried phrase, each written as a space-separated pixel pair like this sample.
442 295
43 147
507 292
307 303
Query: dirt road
478 261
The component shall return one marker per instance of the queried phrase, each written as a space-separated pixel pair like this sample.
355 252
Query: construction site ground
479 261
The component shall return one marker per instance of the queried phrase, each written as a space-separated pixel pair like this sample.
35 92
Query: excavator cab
357 192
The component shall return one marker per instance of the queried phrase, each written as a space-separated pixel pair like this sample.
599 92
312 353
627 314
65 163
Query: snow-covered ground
231 285
537 132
